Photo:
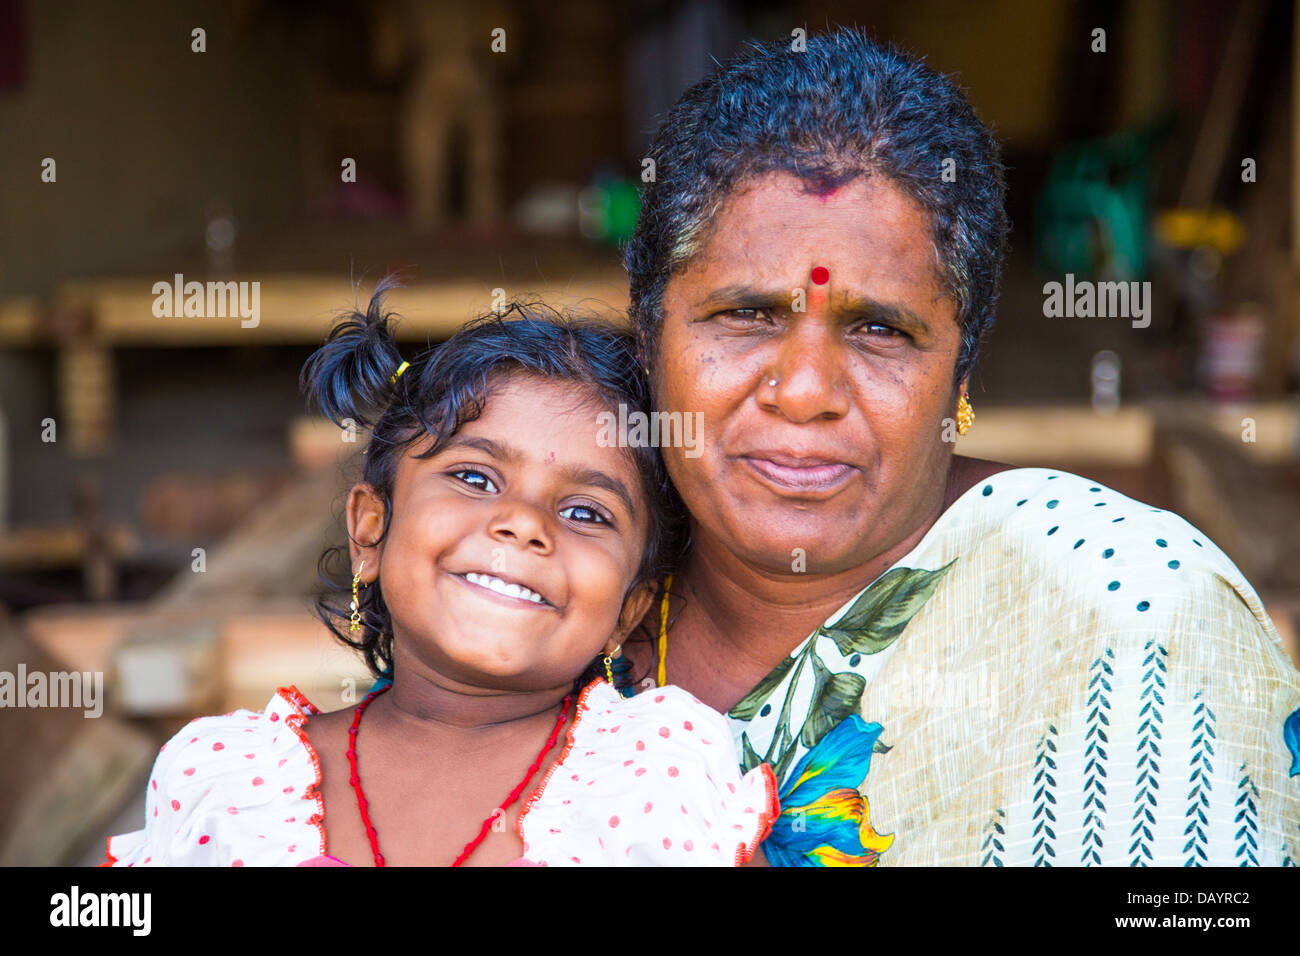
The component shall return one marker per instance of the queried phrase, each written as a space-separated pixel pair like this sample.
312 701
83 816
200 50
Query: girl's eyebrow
589 477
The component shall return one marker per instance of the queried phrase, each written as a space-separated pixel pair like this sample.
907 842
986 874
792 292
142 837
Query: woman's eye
475 479
879 329
585 514
745 315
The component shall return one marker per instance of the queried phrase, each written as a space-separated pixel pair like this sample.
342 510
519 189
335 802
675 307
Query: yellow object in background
1190 228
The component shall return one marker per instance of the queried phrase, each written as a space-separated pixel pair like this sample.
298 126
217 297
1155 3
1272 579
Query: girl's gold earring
609 662
965 415
356 601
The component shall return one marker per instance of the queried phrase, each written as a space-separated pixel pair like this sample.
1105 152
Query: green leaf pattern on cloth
816 685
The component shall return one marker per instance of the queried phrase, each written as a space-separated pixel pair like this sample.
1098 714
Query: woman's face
524 495
844 456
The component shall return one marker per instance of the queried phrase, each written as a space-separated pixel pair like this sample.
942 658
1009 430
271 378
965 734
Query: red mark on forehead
821 275
550 457
827 192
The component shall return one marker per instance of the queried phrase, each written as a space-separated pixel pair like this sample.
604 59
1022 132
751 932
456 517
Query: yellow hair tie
400 369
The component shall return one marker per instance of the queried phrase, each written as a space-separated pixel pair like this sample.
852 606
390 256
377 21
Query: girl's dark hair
843 107
446 386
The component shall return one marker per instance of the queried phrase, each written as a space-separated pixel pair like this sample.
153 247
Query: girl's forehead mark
550 457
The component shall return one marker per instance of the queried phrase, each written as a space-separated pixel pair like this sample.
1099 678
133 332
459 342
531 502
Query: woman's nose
809 375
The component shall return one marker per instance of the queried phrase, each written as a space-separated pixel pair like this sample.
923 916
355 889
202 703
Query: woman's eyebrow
752 296
576 474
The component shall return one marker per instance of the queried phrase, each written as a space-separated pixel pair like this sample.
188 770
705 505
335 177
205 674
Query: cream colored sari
1055 675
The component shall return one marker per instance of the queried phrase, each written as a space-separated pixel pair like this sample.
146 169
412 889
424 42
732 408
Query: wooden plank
298 309
1251 512
1060 434
274 552
65 774
57 546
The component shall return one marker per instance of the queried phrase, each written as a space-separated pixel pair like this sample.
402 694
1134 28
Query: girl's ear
634 608
365 526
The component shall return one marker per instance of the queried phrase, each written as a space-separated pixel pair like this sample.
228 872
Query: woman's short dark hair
841 108
350 377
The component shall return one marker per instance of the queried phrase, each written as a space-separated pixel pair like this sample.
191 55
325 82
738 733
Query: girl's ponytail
351 375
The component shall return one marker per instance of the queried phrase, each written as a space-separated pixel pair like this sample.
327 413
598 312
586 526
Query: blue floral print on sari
824 819
1291 734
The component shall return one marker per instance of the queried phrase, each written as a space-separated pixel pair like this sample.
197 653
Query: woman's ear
365 527
634 608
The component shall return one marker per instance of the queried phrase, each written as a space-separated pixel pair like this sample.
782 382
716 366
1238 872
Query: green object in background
1091 217
609 209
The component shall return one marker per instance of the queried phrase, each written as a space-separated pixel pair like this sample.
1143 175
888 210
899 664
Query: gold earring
608 662
356 601
965 415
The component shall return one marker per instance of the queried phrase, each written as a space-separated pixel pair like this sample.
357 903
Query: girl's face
523 501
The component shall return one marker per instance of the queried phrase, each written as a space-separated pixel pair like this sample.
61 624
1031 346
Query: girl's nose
521 525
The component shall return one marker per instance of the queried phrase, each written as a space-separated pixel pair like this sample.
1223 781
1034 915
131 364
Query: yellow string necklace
662 676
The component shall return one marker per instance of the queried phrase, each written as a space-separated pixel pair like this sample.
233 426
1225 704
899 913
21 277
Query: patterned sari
1055 675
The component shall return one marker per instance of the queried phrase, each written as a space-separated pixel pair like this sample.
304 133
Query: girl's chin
513 675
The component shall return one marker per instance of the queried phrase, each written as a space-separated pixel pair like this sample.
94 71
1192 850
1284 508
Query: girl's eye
475 479
585 514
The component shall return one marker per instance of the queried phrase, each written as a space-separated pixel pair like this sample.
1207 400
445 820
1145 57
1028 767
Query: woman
946 660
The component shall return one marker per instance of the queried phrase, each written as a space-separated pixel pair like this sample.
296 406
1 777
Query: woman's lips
799 474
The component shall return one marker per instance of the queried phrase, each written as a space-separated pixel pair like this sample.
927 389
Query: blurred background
164 495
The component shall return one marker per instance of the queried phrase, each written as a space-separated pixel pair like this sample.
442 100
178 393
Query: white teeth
502 587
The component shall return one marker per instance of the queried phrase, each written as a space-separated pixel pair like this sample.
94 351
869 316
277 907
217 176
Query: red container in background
1230 358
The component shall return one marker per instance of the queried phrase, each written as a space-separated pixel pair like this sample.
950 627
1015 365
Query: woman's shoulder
1076 518
235 789
1139 565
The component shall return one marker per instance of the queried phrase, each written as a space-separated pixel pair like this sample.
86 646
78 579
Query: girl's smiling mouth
515 594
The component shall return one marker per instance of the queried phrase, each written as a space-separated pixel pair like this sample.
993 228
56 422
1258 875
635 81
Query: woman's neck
763 615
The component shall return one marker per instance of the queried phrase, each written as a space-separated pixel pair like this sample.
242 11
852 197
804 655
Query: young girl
499 552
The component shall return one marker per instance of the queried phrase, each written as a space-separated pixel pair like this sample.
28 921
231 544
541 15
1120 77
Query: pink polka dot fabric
647 781
651 780
235 790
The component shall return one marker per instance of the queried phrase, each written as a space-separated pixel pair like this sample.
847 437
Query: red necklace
363 804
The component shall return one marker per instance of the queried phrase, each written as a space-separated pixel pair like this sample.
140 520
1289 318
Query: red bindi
821 275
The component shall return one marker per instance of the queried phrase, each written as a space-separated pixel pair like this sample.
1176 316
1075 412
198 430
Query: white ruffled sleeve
235 790
652 780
